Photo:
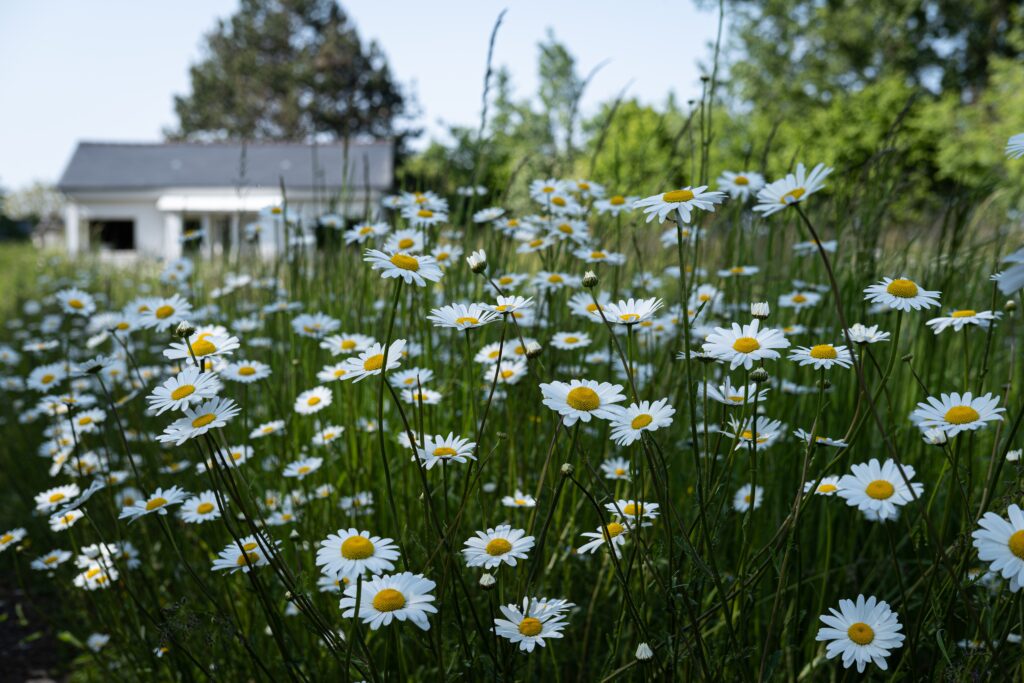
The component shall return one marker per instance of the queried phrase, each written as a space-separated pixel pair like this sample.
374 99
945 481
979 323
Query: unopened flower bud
644 652
760 309
477 261
184 330
590 279
1010 305
567 470
487 582
759 376
533 349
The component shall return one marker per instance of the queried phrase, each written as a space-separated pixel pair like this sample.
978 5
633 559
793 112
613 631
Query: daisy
746 499
792 189
9 538
828 486
158 503
811 247
861 334
740 185
502 544
901 294
822 356
519 500
405 241
58 496
542 190
327 435
615 204
799 300
445 450
510 304
404 596
371 361
244 554
1015 146
462 317
862 631
64 521
587 189
739 271
162 314
300 469
819 440
212 414
683 201
616 468
45 377
730 395
767 431
315 325
570 340
599 256
75 302
613 533
1001 542
202 344
446 254
491 213
582 399
427 397
267 428
631 311
955 413
879 488
411 378
551 282
960 319
188 387
352 553
422 217
345 344
200 508
313 400
633 511
52 559
744 345
332 373
628 424
412 269
530 625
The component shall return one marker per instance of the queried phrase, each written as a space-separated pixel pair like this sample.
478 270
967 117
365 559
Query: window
113 235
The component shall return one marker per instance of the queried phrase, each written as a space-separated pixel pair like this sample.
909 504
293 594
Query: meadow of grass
705 587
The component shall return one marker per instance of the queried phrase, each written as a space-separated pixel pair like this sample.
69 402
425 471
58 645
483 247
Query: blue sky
73 70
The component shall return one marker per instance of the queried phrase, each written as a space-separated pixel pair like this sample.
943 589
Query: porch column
71 228
172 235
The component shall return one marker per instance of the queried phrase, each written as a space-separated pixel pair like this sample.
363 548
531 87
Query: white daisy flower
461 316
245 554
491 213
740 185
799 300
819 440
212 414
203 344
55 497
267 428
683 201
954 413
405 596
768 431
530 625
582 399
411 269
510 304
879 488
1015 146
405 241
11 537
615 204
822 356
901 294
747 498
188 387
861 334
730 395
158 502
445 450
631 311
302 468
743 345
200 508
828 486
792 189
314 325
50 560
162 314
960 319
63 521
371 361
344 344
76 302
634 511
739 271
616 468
332 373
629 423
327 435
613 533
862 631
519 500
570 340
352 553
502 544
313 400
1000 542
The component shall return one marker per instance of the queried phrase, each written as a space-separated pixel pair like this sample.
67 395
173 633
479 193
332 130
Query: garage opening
113 235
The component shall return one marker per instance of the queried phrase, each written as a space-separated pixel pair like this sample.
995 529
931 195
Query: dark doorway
113 235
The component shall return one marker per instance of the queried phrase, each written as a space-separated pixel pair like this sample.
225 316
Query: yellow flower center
746 345
519 501
203 346
591 307
961 415
246 370
614 529
498 546
303 469
504 280
505 374
824 351
85 420
444 452
405 262
641 421
183 391
558 201
356 548
968 313
619 471
425 213
736 270
1016 544
375 362
204 420
406 243
880 489
348 345
633 510
365 230
827 488
6 538
792 196
154 503
530 627
598 254
798 299
583 398
677 196
741 180
467 320
56 497
204 508
860 633
571 340
617 200
252 557
629 317
76 303
904 289
388 600
46 379
164 311
565 228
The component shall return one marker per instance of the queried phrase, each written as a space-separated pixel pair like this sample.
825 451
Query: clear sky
107 69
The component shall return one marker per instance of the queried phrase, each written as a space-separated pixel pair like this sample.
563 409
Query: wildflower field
732 429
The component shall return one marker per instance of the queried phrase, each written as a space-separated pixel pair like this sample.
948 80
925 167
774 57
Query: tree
289 70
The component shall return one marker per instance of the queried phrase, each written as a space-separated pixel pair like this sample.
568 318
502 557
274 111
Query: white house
131 198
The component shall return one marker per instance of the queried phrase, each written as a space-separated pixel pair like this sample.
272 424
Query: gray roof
105 166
